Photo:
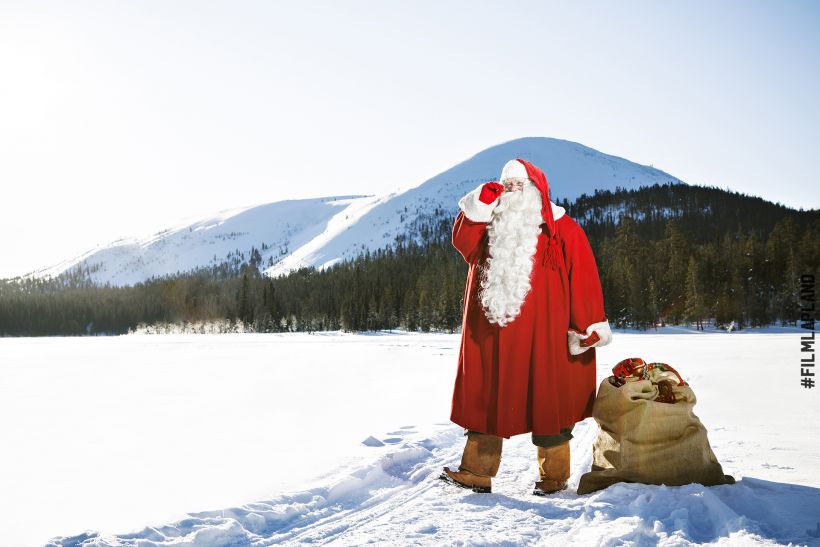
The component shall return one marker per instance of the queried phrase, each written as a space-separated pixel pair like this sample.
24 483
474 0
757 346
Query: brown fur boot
479 463
553 468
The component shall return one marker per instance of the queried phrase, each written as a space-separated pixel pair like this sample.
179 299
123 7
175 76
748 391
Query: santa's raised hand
490 192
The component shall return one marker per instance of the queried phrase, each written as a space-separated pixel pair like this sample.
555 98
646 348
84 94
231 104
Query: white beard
513 239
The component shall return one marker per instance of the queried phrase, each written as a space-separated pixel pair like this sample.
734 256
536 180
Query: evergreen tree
245 313
694 298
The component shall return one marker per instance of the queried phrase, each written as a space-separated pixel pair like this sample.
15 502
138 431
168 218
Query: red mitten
490 191
589 340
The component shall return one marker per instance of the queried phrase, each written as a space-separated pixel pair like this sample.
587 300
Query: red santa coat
531 375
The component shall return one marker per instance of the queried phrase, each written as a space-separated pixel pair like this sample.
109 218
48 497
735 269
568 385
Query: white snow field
258 439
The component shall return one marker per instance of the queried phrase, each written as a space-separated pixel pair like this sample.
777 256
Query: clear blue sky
119 118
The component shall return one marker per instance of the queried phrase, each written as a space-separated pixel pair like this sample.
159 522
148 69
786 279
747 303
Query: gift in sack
660 374
649 432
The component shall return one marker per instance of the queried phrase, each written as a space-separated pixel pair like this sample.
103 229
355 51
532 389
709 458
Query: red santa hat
513 169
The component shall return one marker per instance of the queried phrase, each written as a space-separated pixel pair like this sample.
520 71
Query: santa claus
533 316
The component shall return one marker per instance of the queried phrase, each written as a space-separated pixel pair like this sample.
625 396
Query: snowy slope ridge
275 229
396 499
571 168
319 232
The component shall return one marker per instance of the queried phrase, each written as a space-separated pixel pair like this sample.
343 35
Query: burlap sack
645 441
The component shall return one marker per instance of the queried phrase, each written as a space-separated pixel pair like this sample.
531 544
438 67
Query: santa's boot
479 463
553 468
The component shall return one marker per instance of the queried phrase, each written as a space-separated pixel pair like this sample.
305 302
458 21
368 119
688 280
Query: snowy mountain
321 231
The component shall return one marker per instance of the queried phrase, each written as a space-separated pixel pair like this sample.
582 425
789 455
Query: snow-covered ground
338 438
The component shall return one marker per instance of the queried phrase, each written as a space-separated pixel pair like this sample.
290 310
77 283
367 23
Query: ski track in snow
396 498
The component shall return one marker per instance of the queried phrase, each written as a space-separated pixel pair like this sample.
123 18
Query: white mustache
526 198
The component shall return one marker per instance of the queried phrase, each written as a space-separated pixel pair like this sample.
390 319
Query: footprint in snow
773 466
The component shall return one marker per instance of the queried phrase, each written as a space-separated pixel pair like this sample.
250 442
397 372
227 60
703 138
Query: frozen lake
112 434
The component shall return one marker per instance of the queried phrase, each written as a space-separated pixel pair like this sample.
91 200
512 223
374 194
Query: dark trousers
544 441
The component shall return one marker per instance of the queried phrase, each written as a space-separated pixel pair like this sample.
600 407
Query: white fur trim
574 338
513 169
475 209
557 211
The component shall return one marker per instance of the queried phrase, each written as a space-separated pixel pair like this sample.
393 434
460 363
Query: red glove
490 191
589 340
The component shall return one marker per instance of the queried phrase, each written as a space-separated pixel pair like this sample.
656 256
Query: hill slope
321 231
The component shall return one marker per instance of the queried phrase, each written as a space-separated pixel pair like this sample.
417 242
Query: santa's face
513 238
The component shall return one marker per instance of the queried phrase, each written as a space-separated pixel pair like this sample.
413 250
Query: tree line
667 254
